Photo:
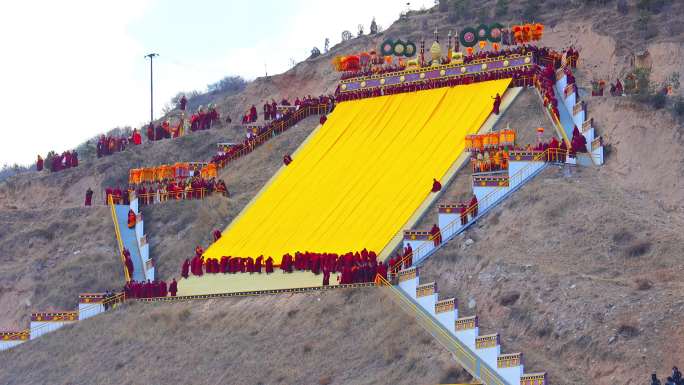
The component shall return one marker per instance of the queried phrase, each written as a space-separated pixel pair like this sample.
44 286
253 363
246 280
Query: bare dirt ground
579 272
342 337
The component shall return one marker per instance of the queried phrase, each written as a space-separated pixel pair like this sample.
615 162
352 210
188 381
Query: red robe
173 288
473 207
131 219
436 186
185 268
497 104
436 235
257 264
39 164
89 197
217 235
250 265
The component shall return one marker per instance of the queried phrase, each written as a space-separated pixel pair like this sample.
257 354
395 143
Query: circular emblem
527 60
344 86
442 72
363 84
517 157
483 183
506 63
422 75
448 209
382 81
402 78
413 237
484 66
463 70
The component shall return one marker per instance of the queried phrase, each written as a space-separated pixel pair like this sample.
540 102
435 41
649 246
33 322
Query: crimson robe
217 235
258 263
185 268
269 265
473 207
39 164
173 288
436 235
131 219
326 277
89 197
250 265
436 186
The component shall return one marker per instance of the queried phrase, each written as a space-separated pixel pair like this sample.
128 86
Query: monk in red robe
258 263
185 268
326 277
408 256
473 207
250 265
89 197
199 251
129 266
287 159
497 104
217 235
436 235
131 219
463 211
39 164
173 287
136 138
269 265
553 150
436 186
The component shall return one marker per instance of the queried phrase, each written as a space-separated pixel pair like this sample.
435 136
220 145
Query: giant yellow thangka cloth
360 177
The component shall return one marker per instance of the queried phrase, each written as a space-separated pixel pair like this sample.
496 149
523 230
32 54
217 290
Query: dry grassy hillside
578 271
341 337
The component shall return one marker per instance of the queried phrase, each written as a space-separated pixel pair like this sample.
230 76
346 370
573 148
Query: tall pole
154 133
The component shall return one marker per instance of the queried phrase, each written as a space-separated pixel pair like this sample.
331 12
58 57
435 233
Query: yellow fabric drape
360 177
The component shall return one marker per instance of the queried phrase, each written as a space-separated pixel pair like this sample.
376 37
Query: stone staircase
89 305
573 112
480 355
489 189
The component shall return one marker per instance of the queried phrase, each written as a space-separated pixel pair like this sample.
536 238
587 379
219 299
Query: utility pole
154 133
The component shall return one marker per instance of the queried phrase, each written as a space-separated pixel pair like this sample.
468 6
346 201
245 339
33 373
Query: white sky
72 69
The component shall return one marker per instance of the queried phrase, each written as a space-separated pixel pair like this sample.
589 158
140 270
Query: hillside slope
340 337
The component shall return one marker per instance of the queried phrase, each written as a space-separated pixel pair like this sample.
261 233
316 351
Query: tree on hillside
229 84
502 7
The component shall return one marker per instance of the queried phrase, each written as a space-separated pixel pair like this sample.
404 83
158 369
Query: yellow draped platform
361 176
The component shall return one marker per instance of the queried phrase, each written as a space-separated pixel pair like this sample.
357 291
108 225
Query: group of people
521 77
204 120
150 289
674 379
57 162
358 267
280 124
491 160
108 145
149 193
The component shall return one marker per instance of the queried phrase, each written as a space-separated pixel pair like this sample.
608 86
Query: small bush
643 284
509 298
638 249
502 7
658 100
622 7
628 331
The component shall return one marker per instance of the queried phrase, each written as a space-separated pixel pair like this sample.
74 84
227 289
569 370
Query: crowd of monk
358 267
110 144
149 193
56 162
521 77
204 120
150 289
275 126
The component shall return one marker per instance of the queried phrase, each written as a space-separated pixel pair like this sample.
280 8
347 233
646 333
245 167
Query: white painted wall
420 248
87 310
4 345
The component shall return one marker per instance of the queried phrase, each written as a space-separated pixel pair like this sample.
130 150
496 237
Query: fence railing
484 203
119 241
461 353
111 301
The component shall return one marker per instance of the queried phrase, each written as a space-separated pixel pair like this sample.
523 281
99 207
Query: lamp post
151 57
